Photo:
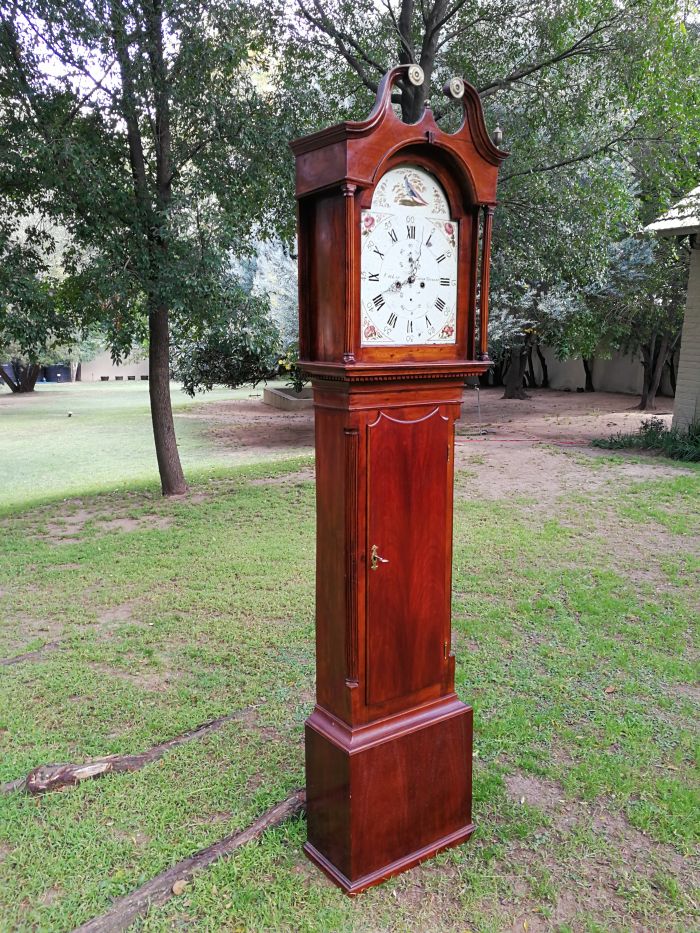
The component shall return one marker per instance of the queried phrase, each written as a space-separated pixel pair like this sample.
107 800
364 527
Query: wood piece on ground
54 776
158 890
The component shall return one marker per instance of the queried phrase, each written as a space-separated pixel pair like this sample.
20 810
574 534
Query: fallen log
50 777
158 890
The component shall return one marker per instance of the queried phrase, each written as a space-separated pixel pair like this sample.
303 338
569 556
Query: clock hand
416 261
420 250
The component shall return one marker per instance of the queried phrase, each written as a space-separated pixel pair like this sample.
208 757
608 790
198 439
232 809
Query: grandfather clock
394 245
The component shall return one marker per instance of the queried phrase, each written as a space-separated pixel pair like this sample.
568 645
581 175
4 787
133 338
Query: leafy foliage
139 127
239 345
600 106
654 435
290 364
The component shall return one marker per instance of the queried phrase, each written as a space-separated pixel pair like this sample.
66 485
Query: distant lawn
106 444
576 641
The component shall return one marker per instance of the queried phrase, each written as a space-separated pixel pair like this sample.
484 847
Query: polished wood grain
389 744
407 603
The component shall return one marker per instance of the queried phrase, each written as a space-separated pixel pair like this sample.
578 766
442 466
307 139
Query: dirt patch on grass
116 614
36 655
64 527
245 424
545 476
207 819
148 522
512 459
690 691
67 528
153 681
546 795
636 848
286 479
22 632
5 851
196 498
51 895
551 415
585 882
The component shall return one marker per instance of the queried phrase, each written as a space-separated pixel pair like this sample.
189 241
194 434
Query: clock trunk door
408 595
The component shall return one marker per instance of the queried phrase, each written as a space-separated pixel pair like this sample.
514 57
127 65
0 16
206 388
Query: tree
642 304
31 322
600 104
139 126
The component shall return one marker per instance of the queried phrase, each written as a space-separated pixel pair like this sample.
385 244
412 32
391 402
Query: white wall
618 374
102 366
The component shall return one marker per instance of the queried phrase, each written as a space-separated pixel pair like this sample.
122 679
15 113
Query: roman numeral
440 258
442 281
439 304
428 321
378 301
381 255
392 320
411 232
374 276
427 242
409 327
392 236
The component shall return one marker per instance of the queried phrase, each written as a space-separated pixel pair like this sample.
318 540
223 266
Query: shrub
654 435
289 365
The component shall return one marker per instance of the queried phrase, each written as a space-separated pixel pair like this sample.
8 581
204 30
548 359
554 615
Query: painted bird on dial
412 196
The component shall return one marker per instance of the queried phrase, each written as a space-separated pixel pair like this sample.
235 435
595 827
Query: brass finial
454 89
416 75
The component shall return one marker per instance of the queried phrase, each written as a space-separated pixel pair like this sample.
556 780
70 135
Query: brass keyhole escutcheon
376 560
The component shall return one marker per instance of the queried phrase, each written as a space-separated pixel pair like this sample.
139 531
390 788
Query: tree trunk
543 364
25 376
652 375
172 479
513 379
8 381
588 369
494 377
647 352
672 371
531 368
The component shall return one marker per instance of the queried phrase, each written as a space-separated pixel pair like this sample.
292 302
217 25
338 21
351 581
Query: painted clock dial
408 262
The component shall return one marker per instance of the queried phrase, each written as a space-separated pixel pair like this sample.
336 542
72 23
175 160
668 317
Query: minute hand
420 250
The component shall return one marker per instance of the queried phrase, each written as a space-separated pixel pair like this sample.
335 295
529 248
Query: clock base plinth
383 797
378 877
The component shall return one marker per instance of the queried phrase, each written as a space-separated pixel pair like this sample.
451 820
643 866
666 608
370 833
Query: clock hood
344 145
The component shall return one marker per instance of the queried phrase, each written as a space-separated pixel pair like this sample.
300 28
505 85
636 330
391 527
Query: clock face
409 262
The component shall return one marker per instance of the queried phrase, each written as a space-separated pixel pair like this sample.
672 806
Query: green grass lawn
106 444
575 636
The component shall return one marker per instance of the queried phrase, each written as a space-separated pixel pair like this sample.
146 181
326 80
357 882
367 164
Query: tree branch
577 48
125 910
605 147
344 43
50 777
403 39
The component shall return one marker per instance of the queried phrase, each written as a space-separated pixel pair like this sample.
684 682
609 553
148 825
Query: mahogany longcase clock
394 243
